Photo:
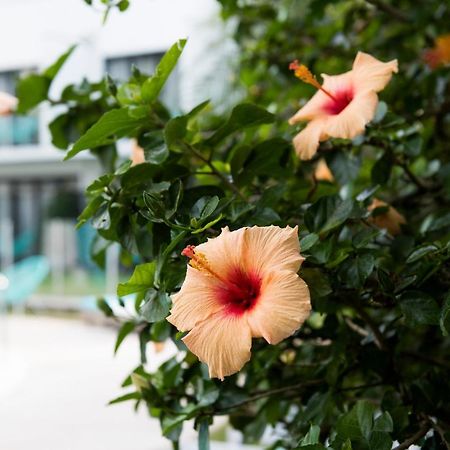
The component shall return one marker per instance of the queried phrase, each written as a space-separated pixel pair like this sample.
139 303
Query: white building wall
34 33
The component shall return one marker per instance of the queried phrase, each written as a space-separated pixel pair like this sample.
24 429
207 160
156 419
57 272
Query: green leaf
380 112
90 209
344 165
445 317
103 306
363 237
419 308
152 87
204 207
53 70
176 127
243 116
156 306
33 89
172 425
308 241
339 215
112 125
312 437
124 331
381 171
123 5
356 270
420 252
203 435
357 424
312 447
155 207
140 281
327 213
347 445
125 398
101 219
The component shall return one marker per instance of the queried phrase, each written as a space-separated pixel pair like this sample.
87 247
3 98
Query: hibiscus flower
439 55
239 285
391 220
343 104
7 103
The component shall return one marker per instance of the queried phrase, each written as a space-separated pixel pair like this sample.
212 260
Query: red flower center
240 292
339 102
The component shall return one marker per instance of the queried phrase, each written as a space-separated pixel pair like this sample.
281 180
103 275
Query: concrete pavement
56 377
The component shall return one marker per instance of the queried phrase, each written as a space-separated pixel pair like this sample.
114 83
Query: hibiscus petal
337 83
313 109
283 306
196 301
266 249
352 120
372 74
222 342
7 103
223 252
306 142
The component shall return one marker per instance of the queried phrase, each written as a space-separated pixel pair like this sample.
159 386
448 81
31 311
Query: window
15 129
120 70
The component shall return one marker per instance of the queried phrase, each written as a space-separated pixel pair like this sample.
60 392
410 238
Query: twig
441 433
426 358
388 9
422 187
353 326
270 392
378 336
215 171
362 386
414 438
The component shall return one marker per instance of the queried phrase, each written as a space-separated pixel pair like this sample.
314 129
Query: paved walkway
56 376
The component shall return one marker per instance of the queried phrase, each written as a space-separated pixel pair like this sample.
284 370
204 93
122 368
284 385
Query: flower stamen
198 261
304 74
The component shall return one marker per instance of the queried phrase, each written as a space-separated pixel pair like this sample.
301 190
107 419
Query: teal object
24 278
24 243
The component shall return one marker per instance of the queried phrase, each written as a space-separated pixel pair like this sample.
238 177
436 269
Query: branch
378 336
419 183
441 433
270 392
426 358
414 438
390 10
215 171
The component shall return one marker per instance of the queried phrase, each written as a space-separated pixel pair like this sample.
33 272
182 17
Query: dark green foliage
371 365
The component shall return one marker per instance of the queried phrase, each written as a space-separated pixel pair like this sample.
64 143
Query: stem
426 358
362 386
216 172
414 438
378 336
270 392
441 433
353 326
390 10
168 250
419 183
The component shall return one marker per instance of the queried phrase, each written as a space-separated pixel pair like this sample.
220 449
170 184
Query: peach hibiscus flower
391 220
137 154
239 285
323 172
343 104
8 103
439 55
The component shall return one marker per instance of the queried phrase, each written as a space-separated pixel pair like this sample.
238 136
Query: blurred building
36 187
